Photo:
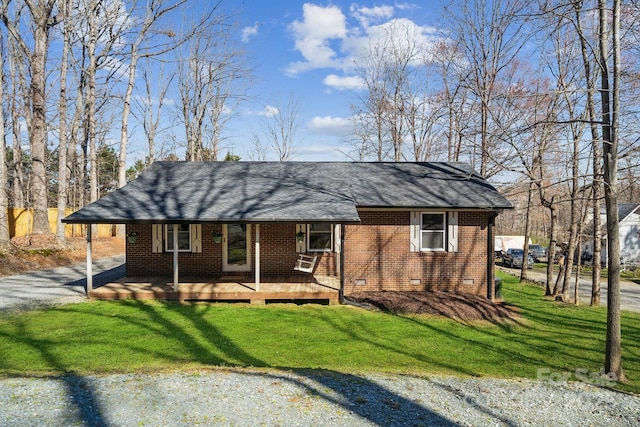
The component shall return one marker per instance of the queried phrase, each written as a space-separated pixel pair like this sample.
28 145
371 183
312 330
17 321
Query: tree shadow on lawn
355 394
79 391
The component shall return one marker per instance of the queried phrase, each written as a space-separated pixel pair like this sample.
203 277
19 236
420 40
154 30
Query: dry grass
37 252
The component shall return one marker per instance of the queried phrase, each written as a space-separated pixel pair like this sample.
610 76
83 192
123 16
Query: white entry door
236 247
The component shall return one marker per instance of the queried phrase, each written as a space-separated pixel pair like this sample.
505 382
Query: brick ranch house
369 226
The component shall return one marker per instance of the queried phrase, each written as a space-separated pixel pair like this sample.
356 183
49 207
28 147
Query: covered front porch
293 288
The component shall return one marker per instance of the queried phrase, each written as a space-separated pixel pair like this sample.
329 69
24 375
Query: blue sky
307 50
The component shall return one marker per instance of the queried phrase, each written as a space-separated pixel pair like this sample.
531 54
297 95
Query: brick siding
377 255
277 254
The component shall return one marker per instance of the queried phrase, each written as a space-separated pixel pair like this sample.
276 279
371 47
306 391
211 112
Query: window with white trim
320 237
184 237
433 227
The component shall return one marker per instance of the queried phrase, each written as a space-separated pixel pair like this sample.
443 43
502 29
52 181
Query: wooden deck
232 289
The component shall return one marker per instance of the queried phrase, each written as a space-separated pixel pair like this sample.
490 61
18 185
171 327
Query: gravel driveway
55 285
284 398
276 398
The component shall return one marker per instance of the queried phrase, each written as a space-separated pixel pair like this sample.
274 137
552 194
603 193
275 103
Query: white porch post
175 257
89 261
257 257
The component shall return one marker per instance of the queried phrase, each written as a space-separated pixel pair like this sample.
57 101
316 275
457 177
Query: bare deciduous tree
36 56
280 129
491 36
454 95
394 107
149 108
146 32
610 115
63 176
212 77
5 238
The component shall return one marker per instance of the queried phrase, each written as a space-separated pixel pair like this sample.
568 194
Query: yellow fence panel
21 224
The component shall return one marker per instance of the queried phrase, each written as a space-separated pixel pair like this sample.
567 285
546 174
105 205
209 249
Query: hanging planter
132 237
300 236
217 237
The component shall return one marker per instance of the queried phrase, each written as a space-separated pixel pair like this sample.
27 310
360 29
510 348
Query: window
320 237
432 232
184 238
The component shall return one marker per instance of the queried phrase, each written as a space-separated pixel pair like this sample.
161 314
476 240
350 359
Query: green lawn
132 336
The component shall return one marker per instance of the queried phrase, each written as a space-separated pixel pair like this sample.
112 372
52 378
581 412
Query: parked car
514 257
586 258
538 252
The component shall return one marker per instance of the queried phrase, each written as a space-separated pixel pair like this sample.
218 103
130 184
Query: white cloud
401 32
319 152
327 38
154 101
334 126
366 15
344 83
268 111
313 36
249 32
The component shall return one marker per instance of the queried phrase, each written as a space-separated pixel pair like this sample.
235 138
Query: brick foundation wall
378 257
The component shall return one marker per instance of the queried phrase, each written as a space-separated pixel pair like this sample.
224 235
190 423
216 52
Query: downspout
257 258
175 258
341 291
490 256
89 261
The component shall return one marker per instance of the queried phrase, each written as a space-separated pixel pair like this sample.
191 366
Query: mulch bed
448 304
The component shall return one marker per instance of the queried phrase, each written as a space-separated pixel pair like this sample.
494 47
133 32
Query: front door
236 247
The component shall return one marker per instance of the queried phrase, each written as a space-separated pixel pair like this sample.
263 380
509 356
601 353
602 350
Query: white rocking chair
306 263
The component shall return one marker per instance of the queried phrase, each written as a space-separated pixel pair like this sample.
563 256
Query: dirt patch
37 252
453 305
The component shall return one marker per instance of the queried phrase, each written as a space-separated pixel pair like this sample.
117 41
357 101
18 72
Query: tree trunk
5 238
527 234
18 80
576 288
63 178
574 218
124 129
610 117
596 185
551 252
91 105
38 137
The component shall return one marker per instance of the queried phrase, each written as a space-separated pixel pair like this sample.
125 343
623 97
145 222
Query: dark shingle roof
287 192
625 209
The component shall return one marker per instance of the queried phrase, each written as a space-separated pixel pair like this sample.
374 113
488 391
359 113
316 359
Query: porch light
132 237
217 236
300 236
